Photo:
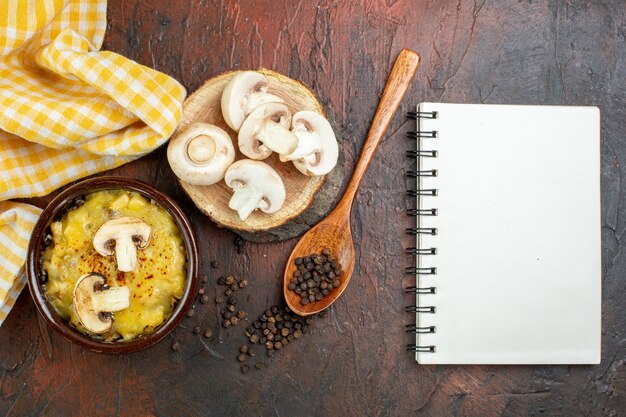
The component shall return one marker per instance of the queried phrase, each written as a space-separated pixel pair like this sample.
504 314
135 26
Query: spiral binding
414 212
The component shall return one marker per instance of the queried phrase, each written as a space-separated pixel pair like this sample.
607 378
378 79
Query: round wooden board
301 210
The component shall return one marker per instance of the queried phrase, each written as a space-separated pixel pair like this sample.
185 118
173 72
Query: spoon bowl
323 235
334 231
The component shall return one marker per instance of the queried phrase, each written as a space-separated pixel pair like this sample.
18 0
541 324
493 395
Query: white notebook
508 264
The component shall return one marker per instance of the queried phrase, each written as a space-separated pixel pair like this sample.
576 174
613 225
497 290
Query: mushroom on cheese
244 93
95 302
317 150
256 186
201 154
122 236
266 129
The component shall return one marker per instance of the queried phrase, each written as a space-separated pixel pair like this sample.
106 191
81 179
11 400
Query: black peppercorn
215 264
208 333
176 346
229 280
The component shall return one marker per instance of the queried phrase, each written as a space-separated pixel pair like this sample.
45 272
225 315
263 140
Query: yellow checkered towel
67 110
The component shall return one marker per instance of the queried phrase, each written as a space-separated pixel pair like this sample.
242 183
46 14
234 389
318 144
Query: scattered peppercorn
204 299
242 357
197 330
229 280
239 242
205 279
243 283
176 346
259 365
201 291
243 349
226 323
215 264
208 333
219 300
191 312
221 281
244 369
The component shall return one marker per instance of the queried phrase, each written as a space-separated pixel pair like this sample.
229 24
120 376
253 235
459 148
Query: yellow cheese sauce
155 286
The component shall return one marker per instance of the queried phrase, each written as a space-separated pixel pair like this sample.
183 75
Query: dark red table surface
353 362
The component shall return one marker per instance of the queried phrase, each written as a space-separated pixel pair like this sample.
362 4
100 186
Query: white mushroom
122 236
244 93
201 154
317 150
266 129
256 186
94 302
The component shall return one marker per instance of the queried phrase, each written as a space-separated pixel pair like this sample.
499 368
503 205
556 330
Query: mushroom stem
126 253
112 300
307 148
277 137
201 149
245 200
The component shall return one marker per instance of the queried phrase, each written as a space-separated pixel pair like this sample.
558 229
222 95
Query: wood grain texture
353 363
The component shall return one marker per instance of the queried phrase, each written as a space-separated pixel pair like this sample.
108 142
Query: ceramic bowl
57 207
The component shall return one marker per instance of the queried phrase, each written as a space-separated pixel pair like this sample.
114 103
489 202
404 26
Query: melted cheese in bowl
156 285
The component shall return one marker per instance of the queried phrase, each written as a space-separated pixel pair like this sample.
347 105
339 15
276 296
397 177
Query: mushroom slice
256 186
244 93
266 129
201 154
317 150
94 302
122 236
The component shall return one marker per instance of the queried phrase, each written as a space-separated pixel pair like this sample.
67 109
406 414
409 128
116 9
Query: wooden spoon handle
399 79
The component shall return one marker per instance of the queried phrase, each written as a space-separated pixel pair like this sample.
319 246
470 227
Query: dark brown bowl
55 209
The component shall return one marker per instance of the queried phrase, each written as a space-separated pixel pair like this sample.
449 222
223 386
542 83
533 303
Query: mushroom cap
89 306
244 93
119 228
317 150
200 154
263 178
266 129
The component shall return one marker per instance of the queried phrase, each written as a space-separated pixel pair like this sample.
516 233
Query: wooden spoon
334 231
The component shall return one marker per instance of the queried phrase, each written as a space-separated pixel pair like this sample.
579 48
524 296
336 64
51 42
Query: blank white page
518 269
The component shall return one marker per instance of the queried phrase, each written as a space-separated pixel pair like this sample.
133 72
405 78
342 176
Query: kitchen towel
67 110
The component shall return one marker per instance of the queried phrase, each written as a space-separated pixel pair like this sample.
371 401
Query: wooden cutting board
308 200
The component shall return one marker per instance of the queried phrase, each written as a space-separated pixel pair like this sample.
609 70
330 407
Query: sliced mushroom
201 154
266 129
95 302
122 236
256 186
244 93
317 150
